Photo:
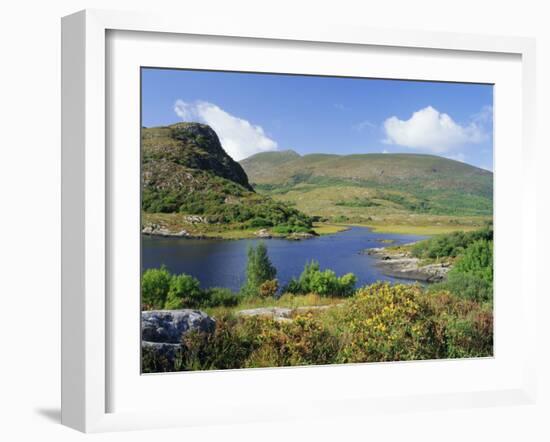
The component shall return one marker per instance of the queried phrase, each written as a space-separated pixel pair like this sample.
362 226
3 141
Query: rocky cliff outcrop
168 326
189 146
163 330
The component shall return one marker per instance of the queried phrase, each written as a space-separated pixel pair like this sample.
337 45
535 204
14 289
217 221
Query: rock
283 314
277 313
410 268
196 219
161 350
168 326
157 230
263 233
300 235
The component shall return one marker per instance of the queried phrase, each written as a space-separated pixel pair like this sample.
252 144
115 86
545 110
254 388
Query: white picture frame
86 211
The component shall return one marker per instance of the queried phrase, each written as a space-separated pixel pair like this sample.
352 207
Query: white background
268 389
30 215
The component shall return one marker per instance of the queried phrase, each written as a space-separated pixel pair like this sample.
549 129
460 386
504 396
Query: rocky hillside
186 171
193 146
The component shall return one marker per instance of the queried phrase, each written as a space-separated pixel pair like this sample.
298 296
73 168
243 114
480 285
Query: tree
258 270
154 288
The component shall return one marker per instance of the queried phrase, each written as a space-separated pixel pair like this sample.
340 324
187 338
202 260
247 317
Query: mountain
186 171
193 146
407 182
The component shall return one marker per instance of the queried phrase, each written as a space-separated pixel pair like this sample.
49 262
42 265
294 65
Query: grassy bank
329 229
176 222
419 229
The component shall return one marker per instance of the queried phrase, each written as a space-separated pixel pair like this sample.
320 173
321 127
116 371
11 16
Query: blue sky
259 112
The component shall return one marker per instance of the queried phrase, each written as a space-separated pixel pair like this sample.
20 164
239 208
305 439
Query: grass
427 230
384 216
328 229
288 300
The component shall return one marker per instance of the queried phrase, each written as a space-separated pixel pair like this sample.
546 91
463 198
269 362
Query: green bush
323 283
472 275
155 284
450 245
259 222
184 292
285 229
162 290
468 286
477 259
221 297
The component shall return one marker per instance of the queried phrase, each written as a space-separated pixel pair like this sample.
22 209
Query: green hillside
376 188
190 183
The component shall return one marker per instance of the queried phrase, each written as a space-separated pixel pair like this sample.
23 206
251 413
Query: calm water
219 263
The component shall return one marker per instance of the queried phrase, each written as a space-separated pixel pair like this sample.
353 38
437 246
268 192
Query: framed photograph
250 214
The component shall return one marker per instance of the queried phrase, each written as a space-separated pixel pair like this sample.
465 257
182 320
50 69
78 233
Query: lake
222 263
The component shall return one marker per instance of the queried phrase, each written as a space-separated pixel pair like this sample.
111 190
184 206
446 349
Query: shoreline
184 234
159 231
403 266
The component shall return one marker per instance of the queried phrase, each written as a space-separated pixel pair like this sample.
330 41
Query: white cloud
485 115
385 151
432 131
239 137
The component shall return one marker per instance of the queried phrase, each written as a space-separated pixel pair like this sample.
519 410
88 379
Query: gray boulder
161 350
168 326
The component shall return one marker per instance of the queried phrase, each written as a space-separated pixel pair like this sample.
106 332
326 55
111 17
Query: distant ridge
428 182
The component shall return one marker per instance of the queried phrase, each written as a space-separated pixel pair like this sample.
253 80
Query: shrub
324 283
259 222
221 297
268 288
258 270
184 292
259 342
472 275
228 347
382 322
155 284
468 286
389 323
403 322
477 259
161 289
450 245
303 341
471 336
